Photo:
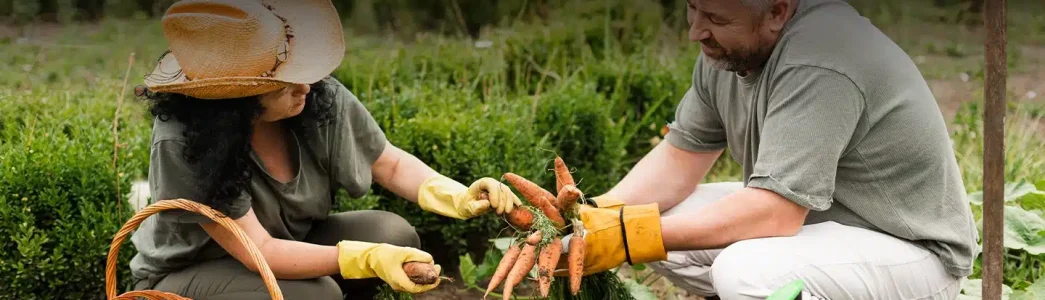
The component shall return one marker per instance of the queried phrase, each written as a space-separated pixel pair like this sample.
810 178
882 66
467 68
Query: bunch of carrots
541 223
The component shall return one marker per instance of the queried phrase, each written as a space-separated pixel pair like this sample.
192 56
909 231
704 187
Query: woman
248 122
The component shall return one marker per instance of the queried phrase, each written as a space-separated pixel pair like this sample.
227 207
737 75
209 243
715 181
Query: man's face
733 36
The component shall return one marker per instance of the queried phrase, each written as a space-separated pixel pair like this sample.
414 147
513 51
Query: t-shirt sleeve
811 116
171 177
697 126
355 141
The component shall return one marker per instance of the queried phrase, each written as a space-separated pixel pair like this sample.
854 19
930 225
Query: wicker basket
114 249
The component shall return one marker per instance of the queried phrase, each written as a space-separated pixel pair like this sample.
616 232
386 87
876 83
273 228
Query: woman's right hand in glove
358 260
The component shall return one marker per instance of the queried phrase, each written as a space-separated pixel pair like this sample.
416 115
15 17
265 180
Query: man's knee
747 270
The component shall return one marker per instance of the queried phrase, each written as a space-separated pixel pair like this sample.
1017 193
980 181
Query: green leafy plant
1024 231
59 205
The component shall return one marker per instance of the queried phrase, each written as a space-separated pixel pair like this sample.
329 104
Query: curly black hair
218 135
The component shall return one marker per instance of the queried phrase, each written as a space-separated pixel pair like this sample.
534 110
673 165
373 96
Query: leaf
976 198
1022 230
1033 201
502 243
1029 196
638 291
973 289
1040 185
639 267
467 270
489 265
1013 192
1034 291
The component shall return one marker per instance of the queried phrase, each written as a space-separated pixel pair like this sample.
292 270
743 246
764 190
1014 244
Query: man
849 181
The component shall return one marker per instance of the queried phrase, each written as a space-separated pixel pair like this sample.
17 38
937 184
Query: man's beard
740 60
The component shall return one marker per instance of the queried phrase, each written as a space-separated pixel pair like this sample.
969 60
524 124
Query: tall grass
1024 143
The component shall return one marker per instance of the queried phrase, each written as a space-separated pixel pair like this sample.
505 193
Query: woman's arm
287 259
400 172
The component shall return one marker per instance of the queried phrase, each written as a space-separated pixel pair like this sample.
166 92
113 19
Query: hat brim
315 51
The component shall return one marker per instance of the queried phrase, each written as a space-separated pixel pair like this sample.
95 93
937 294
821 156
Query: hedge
594 97
59 205
511 107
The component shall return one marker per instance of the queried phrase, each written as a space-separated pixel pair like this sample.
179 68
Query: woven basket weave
226 222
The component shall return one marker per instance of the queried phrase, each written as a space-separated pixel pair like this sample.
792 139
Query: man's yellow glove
605 201
607 246
447 197
359 260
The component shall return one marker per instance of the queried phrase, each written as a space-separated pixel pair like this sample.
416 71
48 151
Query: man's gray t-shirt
329 157
839 121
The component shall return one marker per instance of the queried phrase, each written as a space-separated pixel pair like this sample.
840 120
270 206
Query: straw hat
238 48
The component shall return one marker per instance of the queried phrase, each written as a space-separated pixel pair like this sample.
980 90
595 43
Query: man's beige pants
834 261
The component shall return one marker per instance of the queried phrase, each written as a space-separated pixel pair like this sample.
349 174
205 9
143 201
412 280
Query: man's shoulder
832 35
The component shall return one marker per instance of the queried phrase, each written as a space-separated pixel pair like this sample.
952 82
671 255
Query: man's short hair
758 6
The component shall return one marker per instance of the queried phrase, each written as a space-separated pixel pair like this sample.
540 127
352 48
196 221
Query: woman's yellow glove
607 246
447 197
359 260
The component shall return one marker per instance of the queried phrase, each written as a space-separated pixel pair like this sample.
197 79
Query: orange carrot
529 190
562 174
576 263
502 269
534 238
521 218
552 213
546 263
567 197
527 258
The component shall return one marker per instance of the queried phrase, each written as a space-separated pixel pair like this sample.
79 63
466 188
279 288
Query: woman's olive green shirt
337 155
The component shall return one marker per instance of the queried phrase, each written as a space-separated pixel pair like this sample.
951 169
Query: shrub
59 206
535 90
463 140
577 123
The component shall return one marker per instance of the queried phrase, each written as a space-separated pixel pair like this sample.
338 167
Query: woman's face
284 103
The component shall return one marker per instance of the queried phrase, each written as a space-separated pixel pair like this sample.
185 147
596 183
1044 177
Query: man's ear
779 13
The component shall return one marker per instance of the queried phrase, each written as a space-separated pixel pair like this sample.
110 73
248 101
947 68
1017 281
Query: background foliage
475 88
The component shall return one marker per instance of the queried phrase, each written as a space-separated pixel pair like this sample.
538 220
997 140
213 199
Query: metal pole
993 148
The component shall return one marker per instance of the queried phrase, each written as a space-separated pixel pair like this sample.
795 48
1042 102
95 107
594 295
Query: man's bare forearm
746 214
666 175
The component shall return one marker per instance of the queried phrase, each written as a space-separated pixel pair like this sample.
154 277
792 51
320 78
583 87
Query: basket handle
224 221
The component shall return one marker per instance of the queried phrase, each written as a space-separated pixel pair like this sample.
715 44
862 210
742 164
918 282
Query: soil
457 290
1027 86
660 287
447 291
